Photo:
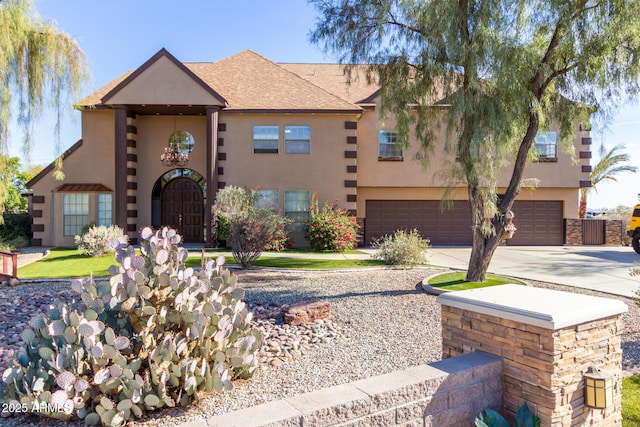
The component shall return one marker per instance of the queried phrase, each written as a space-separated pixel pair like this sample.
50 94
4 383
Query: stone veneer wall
573 232
613 232
543 366
446 393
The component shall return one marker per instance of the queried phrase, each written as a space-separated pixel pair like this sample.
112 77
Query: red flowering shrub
252 231
330 229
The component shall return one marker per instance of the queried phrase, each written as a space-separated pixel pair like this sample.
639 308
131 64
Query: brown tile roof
82 188
249 81
332 78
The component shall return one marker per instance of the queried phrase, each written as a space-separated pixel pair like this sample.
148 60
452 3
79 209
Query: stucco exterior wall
91 163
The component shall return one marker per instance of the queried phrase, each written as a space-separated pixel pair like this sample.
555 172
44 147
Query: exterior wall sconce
598 392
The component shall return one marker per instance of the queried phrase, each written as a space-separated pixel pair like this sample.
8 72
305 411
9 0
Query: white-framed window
546 144
75 213
266 139
296 207
297 139
387 145
267 199
105 209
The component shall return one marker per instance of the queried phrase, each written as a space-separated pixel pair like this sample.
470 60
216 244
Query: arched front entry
178 202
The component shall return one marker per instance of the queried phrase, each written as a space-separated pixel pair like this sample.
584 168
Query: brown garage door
451 227
538 222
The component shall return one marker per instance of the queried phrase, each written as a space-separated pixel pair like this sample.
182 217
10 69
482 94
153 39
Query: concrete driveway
601 268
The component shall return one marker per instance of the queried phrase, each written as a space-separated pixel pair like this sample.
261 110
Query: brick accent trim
585 184
132 185
36 213
586 141
353 212
222 127
585 154
352 140
132 143
587 168
222 156
352 169
221 184
36 242
350 154
132 129
37 228
132 171
352 197
220 170
131 199
132 157
132 227
132 214
350 183
350 125
37 199
220 142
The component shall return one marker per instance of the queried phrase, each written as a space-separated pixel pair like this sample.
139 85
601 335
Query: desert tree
40 67
490 72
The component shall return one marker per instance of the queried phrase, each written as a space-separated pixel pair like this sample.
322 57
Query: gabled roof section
51 165
162 80
333 78
251 82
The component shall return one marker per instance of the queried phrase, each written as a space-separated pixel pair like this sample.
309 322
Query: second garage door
538 222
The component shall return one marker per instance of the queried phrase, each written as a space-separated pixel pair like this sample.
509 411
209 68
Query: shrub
15 226
95 242
231 201
253 231
401 248
491 418
156 334
330 229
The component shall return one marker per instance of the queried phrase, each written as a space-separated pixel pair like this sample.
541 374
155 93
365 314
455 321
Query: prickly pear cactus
155 334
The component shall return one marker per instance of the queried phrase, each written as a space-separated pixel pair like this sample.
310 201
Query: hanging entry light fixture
174 154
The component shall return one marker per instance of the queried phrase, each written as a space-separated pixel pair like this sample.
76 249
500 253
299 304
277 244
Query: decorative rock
307 312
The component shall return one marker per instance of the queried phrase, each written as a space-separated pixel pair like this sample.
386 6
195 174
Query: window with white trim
266 139
296 207
75 213
267 199
297 139
546 143
105 209
387 145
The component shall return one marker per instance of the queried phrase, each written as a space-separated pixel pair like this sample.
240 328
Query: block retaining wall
449 392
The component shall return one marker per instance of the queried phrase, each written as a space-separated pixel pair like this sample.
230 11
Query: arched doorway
178 202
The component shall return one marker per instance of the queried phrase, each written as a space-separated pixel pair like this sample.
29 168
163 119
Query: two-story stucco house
291 129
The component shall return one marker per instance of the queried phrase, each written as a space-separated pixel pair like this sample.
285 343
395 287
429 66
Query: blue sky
120 35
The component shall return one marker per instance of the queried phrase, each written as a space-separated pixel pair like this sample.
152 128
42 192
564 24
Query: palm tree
612 163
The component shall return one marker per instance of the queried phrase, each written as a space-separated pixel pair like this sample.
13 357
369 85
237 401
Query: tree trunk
582 210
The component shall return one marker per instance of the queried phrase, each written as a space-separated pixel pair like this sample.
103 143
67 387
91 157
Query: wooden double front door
183 208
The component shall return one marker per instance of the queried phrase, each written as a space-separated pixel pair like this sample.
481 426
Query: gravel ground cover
382 321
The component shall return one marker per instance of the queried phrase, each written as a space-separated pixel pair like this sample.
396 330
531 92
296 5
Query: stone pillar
613 232
212 172
120 162
573 231
547 340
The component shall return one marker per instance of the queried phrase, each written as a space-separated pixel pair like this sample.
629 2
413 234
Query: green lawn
65 263
631 401
301 263
455 281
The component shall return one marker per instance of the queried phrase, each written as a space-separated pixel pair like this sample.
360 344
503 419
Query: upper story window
267 199
388 149
266 139
183 141
546 144
75 212
297 139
